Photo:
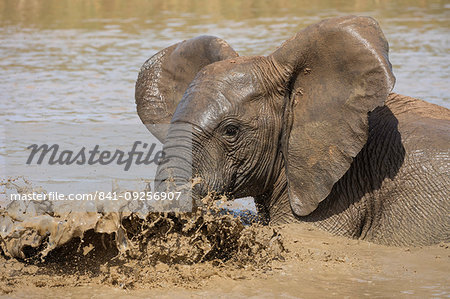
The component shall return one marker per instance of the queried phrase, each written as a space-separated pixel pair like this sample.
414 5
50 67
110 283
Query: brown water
77 61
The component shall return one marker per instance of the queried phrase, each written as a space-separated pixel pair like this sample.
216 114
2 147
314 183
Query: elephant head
301 111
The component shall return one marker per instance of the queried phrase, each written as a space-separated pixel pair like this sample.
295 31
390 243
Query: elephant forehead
201 109
209 98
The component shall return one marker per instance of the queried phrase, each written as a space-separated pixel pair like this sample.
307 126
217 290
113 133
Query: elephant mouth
196 190
192 191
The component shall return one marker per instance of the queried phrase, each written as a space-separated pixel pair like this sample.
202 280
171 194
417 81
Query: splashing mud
125 248
203 253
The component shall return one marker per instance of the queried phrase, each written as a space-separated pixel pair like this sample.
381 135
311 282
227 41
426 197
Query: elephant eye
231 130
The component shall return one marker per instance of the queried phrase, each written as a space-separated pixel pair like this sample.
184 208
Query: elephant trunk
175 173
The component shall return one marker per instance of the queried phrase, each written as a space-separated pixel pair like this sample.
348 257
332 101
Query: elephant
312 132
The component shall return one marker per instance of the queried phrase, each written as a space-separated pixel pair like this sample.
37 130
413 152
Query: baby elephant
311 132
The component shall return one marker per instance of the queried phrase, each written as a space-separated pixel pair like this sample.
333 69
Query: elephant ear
338 70
164 77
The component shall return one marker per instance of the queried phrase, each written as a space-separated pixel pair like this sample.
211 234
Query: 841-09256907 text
98 195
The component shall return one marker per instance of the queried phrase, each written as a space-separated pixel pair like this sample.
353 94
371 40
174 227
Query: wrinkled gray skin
311 131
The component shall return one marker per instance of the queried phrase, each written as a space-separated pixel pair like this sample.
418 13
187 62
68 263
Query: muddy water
314 265
76 62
